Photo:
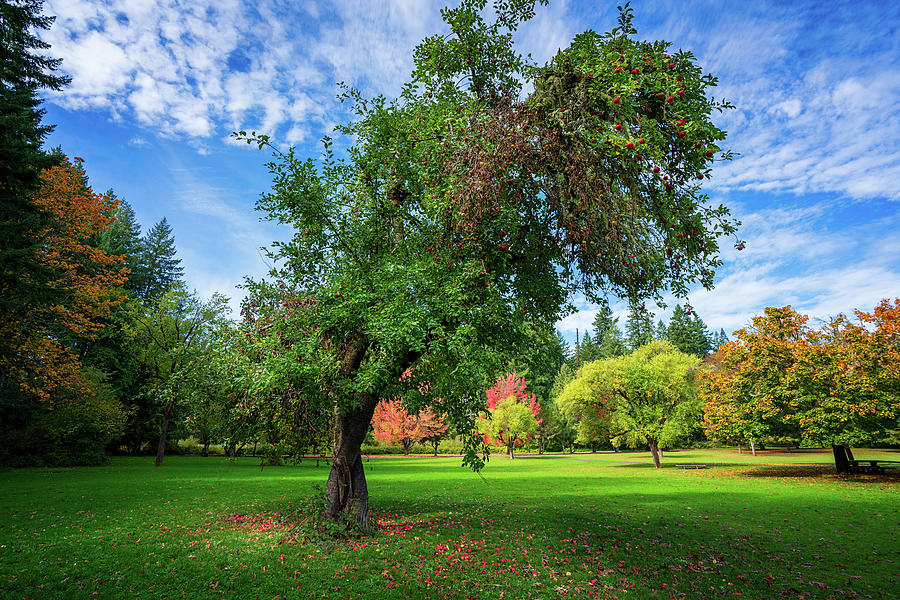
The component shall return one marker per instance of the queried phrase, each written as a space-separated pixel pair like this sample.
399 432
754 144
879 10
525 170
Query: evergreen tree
158 268
123 236
718 339
608 336
23 281
662 332
639 327
688 332
590 351
679 330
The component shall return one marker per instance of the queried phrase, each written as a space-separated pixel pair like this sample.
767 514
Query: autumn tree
746 390
834 386
511 418
465 208
41 365
85 278
392 424
647 397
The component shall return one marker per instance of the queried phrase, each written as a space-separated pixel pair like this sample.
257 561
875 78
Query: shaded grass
583 526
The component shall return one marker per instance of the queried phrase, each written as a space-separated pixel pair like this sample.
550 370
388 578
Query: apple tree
466 208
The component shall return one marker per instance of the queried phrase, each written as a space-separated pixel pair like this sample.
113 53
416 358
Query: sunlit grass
590 525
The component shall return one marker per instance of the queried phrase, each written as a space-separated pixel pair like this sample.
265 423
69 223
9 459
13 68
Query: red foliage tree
392 424
513 414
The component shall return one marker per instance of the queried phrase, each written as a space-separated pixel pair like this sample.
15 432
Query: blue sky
157 86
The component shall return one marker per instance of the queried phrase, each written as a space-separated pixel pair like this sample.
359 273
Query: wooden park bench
876 467
690 466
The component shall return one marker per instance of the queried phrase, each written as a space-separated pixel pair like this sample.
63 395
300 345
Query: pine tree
608 336
662 332
639 327
123 236
679 330
700 336
688 332
590 350
158 268
719 339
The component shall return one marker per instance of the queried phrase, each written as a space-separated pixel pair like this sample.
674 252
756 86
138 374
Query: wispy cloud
816 85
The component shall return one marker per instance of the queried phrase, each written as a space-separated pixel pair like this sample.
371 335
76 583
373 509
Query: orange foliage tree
837 386
392 424
86 282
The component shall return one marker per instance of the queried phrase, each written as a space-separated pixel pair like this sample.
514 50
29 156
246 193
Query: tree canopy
648 396
835 386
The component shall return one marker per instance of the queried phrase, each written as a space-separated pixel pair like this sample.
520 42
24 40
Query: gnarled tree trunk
346 491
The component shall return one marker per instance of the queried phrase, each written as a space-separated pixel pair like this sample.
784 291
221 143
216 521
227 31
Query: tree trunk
206 448
509 451
407 446
161 448
841 463
346 491
654 449
740 450
753 447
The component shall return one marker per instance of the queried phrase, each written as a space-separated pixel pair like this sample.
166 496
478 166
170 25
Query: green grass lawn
587 525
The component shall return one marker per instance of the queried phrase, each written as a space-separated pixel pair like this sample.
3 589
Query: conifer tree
24 282
718 339
662 332
639 327
158 268
688 332
590 350
608 336
123 236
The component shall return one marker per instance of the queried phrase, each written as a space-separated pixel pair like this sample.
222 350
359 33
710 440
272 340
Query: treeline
780 382
95 322
685 330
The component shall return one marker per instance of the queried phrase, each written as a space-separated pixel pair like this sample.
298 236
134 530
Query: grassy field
585 526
